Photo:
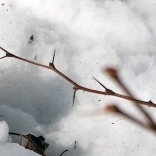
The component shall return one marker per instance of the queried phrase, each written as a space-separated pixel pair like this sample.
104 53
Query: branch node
9 55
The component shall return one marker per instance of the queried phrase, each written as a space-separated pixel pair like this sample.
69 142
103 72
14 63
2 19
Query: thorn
100 83
52 63
74 96
3 57
108 91
53 56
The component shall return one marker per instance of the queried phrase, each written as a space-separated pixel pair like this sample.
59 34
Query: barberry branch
77 87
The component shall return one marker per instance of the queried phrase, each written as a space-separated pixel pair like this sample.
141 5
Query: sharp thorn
74 96
3 57
52 63
107 90
53 56
100 83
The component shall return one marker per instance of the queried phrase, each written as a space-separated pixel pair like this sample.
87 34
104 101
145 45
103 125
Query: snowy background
88 36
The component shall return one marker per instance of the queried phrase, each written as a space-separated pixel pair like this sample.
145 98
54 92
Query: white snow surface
4 132
88 36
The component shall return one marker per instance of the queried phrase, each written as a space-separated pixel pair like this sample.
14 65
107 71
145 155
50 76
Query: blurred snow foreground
11 149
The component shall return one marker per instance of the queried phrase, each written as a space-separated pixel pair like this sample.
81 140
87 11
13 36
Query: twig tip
111 71
112 108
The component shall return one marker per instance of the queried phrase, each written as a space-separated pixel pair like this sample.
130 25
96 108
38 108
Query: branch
77 87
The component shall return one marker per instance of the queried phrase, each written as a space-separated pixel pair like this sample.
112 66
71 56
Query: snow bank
88 36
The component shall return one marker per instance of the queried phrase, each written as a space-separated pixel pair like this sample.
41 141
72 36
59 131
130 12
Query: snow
88 36
4 132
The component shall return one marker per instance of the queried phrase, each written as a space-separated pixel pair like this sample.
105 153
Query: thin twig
77 86
12 133
63 152
114 109
114 74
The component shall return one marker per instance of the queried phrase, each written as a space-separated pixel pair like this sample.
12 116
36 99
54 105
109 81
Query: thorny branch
77 87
